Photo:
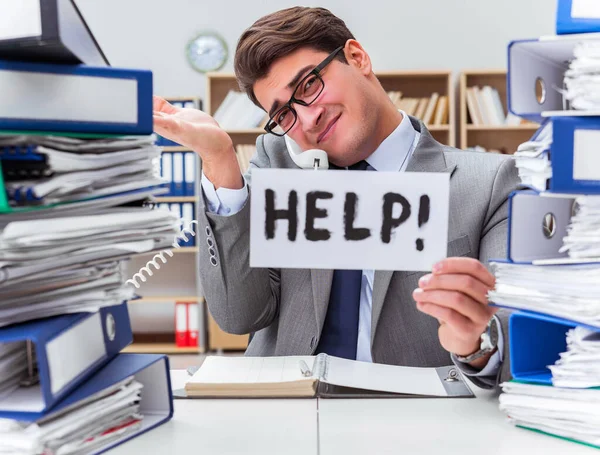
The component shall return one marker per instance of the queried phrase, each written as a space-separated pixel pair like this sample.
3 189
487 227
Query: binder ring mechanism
32 377
452 376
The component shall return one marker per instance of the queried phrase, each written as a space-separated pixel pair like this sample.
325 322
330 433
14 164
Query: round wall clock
207 52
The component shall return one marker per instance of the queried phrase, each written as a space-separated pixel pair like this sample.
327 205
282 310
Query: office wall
398 34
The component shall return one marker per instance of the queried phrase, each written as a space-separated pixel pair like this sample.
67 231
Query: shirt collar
394 150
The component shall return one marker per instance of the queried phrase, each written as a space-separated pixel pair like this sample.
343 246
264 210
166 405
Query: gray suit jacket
286 308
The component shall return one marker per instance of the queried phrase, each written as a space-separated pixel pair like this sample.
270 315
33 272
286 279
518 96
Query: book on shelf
432 110
485 108
238 112
244 153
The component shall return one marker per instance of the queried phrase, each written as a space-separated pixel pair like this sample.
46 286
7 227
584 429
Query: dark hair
280 33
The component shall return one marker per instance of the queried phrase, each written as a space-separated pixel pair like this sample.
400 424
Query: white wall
398 34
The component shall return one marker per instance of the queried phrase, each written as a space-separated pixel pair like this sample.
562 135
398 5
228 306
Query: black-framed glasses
305 93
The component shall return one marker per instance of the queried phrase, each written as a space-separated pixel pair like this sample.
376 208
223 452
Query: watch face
207 52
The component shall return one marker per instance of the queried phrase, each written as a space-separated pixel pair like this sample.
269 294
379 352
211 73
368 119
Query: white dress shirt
392 155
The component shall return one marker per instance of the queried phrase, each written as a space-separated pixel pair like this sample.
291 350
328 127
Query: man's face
338 121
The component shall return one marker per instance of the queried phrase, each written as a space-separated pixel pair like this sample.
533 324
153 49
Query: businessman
315 80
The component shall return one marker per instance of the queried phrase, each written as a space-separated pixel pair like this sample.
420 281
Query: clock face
207 52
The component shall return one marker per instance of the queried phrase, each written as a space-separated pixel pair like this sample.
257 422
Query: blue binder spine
536 341
575 157
178 172
137 85
156 402
577 16
106 332
189 162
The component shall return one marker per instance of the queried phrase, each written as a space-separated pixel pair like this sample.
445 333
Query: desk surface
335 426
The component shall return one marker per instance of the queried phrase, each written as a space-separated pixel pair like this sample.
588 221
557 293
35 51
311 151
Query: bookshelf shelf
167 299
176 199
161 348
505 138
530 128
175 148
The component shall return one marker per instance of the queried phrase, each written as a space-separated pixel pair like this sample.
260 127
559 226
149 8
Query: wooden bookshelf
177 199
505 138
422 84
160 348
218 339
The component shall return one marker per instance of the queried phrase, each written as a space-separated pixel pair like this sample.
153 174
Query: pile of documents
82 428
582 79
570 291
568 413
583 234
532 159
41 169
554 290
78 168
579 366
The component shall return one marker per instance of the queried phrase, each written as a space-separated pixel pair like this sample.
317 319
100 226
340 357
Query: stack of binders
78 166
551 277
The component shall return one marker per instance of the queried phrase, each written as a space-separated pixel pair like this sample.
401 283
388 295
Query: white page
385 378
251 370
407 245
20 19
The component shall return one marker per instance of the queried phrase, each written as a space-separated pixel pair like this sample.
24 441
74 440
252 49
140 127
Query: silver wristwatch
489 342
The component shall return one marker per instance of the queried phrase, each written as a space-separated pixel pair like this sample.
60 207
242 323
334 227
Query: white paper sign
585 9
348 219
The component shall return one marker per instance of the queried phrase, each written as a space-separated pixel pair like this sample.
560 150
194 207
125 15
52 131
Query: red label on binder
181 324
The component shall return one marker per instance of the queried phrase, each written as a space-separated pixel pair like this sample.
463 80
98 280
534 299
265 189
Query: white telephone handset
309 159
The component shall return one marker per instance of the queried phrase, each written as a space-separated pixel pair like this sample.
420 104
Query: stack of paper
65 265
582 79
570 291
583 234
568 413
43 169
579 366
13 366
532 159
91 424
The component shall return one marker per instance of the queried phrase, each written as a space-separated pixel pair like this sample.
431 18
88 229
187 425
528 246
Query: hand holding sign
456 295
348 220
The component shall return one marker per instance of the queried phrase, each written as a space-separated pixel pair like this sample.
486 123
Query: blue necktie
340 329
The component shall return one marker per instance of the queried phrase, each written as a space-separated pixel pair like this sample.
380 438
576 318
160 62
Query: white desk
460 426
207 427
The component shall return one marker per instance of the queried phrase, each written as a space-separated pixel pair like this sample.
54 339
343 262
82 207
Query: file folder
536 341
575 155
544 59
156 403
69 349
187 210
166 170
577 16
190 173
178 189
47 31
537 225
75 98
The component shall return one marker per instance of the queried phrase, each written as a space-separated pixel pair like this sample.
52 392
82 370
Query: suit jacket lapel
427 157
